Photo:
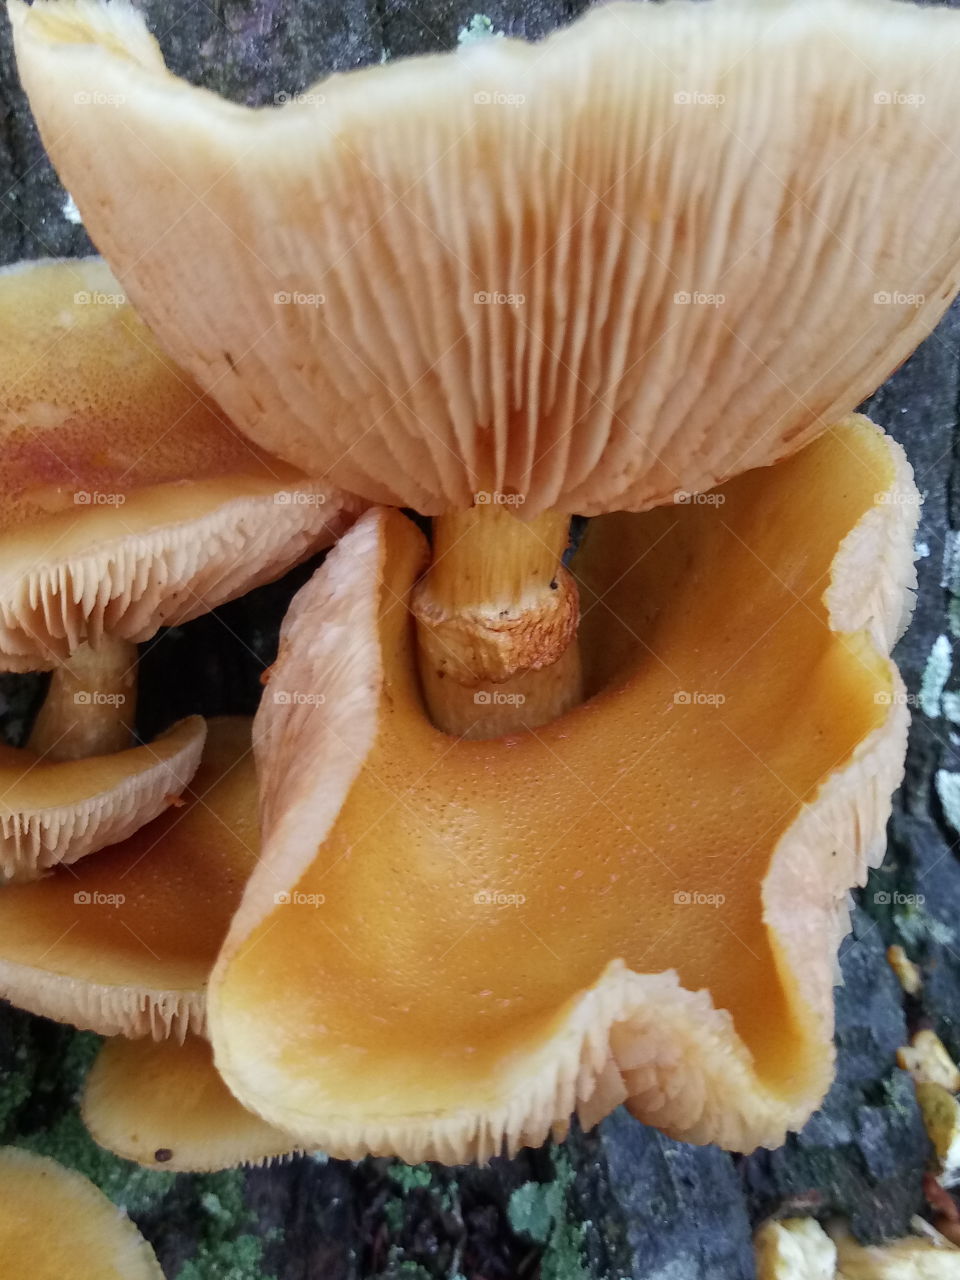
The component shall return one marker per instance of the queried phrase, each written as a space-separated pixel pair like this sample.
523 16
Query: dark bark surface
622 1201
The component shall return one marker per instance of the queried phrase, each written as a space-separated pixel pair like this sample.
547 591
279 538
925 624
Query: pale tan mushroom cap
127 500
56 1225
165 1106
122 943
661 247
448 946
58 812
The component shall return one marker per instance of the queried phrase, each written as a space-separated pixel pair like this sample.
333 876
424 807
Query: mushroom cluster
537 833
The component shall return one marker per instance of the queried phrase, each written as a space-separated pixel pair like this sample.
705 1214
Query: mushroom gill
666 245
127 502
123 942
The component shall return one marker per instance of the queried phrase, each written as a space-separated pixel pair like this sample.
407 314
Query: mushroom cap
472 939
123 943
54 812
164 1105
668 244
127 500
55 1224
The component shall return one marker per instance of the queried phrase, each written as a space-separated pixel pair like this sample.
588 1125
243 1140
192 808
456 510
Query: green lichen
480 27
948 791
16 1085
916 927
410 1176
237 1259
539 1211
935 676
225 1250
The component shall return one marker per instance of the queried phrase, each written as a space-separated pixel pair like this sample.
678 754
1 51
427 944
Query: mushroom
55 812
449 945
666 245
660 251
123 943
127 502
54 1223
163 1104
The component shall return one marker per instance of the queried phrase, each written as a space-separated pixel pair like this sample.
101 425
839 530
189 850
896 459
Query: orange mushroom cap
666 245
641 901
54 812
127 500
123 943
56 1225
164 1105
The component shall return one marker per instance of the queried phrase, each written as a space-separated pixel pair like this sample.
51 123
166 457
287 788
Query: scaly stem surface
497 620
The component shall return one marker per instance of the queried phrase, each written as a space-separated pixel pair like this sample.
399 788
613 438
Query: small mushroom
55 1225
123 943
127 502
449 945
588 275
54 812
164 1105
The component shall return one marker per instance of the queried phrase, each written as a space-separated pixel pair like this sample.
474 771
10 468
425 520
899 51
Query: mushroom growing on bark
123 944
129 502
656 253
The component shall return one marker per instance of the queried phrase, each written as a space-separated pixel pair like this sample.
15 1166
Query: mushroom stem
90 704
497 617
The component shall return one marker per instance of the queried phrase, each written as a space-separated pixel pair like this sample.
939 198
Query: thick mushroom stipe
640 902
127 500
165 1106
123 943
56 1225
665 245
54 813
